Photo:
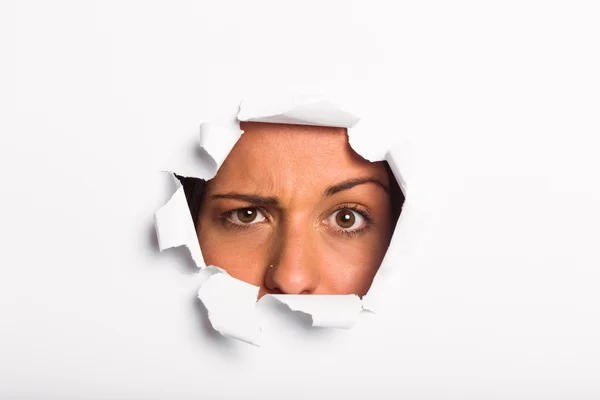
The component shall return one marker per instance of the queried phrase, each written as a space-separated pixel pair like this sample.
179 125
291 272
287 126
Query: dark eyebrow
250 198
349 184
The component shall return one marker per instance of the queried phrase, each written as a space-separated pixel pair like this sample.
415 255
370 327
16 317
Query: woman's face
294 210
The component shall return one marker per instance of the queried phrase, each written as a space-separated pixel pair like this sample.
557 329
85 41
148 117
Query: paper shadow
223 344
205 159
181 255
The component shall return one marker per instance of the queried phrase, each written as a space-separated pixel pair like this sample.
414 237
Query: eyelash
354 207
240 227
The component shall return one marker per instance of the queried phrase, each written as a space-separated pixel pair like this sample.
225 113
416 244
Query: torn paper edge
217 141
236 314
175 226
299 110
325 310
203 157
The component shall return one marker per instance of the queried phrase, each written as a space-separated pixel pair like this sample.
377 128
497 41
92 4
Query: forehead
272 154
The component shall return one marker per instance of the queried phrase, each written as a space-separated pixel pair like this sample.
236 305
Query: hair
195 188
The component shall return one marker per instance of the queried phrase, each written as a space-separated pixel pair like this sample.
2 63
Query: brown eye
246 216
345 219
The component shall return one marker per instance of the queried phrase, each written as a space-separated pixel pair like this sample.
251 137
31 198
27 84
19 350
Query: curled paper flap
407 235
327 311
233 309
394 166
175 227
203 156
230 304
367 140
297 111
217 141
319 111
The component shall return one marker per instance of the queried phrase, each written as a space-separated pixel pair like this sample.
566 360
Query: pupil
345 218
247 215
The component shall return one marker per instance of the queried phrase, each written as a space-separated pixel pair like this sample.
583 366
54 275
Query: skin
294 210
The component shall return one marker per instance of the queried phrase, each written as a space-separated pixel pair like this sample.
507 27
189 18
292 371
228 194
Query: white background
499 104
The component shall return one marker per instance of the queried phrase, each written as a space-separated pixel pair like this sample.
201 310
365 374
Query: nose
295 267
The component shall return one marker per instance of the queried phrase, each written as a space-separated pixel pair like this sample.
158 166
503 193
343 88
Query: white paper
327 311
297 110
232 303
203 156
175 227
217 141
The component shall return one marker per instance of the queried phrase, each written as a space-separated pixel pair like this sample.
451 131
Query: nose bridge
295 268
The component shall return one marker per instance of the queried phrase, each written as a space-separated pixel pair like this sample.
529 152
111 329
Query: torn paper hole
232 303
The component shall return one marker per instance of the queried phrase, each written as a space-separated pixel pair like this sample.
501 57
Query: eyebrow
250 198
274 201
349 184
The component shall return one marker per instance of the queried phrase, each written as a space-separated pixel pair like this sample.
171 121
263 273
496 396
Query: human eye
244 216
348 220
